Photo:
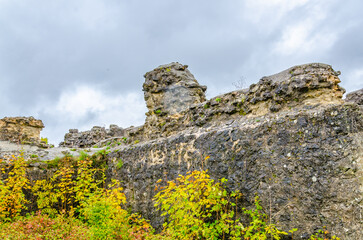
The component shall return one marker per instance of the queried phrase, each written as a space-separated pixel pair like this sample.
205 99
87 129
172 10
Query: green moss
242 112
99 159
53 163
120 163
83 155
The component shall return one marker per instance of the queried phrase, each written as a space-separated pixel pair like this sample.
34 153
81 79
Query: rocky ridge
187 107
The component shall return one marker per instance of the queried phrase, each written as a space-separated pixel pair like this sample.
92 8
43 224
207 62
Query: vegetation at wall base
76 203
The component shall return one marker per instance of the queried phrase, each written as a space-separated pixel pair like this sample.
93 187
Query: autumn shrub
12 197
57 194
102 211
140 229
323 234
79 188
259 226
41 226
197 207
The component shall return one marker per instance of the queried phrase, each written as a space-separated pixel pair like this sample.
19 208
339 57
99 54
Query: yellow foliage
12 197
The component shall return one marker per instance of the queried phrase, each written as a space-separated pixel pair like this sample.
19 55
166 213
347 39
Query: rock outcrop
20 130
356 97
90 138
290 138
308 84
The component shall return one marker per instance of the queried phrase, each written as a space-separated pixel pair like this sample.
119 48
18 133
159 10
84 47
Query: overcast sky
80 63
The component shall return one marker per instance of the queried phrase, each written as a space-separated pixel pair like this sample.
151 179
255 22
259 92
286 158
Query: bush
259 228
198 208
12 197
40 226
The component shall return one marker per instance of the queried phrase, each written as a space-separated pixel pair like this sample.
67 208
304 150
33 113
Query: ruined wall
20 130
307 84
290 138
306 165
90 138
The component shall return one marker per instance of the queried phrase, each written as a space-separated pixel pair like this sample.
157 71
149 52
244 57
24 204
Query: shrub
41 226
57 194
102 209
198 208
12 197
44 140
323 234
258 227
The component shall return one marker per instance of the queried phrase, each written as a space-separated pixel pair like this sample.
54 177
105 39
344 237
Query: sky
80 63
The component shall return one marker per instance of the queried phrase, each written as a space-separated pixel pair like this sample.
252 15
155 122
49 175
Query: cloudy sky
80 63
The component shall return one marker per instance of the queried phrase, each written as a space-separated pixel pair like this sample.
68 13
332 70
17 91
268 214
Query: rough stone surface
34 152
306 164
308 84
290 138
356 97
90 138
20 130
170 89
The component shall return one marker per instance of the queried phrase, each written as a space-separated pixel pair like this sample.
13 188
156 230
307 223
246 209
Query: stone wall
90 138
21 130
290 138
307 84
306 166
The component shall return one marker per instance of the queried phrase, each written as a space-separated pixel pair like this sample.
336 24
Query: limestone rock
170 89
21 130
306 84
356 97
85 139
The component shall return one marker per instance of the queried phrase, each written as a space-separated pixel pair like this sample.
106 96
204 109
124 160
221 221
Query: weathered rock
306 166
86 139
356 97
308 84
21 130
170 89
